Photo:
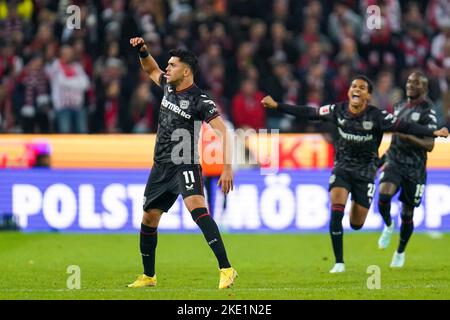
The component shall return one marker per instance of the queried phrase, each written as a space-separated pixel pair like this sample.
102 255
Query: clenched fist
138 43
268 102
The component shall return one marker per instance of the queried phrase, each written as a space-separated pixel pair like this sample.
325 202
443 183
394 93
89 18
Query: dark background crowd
58 79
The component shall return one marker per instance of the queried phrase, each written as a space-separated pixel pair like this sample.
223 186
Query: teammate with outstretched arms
360 128
177 170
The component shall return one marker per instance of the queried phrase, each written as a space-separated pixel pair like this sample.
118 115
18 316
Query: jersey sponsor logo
355 137
367 125
173 107
184 104
324 110
415 116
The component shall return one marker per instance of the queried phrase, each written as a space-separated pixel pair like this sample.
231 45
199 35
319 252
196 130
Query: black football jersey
358 137
180 117
403 152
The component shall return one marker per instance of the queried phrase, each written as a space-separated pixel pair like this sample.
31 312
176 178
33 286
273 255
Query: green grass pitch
270 266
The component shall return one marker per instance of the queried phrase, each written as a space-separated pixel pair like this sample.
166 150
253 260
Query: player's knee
407 219
356 226
384 199
151 217
199 213
193 202
407 214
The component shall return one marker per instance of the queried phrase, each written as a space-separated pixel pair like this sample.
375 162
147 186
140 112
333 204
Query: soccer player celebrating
360 129
176 169
405 165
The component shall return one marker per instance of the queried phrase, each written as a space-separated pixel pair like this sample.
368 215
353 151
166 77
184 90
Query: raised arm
148 63
303 112
226 178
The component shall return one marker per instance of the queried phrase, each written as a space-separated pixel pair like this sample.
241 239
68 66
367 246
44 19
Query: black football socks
336 231
406 230
149 240
211 234
384 206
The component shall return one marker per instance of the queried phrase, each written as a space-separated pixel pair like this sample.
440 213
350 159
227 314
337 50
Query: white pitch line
216 290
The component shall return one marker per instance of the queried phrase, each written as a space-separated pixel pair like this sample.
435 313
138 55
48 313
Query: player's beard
414 98
175 82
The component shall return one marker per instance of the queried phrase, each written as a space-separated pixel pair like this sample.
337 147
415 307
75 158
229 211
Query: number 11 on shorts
189 177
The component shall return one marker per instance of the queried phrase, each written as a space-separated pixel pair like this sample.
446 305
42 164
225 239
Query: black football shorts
362 190
412 185
167 180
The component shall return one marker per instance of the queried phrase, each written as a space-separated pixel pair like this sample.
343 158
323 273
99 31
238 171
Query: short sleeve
208 109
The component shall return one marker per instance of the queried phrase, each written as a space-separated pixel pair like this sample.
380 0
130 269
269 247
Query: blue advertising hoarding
111 201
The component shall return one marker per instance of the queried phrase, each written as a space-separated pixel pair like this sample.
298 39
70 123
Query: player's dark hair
364 78
186 56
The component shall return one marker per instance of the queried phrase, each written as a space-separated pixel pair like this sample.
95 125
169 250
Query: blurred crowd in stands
58 79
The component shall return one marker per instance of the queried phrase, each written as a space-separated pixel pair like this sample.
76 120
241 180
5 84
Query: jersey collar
186 89
414 103
355 115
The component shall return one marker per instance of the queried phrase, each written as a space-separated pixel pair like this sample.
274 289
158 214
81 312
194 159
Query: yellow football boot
227 276
143 281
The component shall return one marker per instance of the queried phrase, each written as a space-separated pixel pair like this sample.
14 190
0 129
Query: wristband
143 54
139 46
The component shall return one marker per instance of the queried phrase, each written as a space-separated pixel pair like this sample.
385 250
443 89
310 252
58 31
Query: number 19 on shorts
420 188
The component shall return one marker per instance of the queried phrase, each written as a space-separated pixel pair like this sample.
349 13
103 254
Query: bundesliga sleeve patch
324 110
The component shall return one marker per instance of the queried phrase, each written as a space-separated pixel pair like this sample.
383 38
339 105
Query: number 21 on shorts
370 190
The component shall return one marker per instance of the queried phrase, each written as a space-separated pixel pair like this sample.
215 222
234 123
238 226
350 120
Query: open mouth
356 98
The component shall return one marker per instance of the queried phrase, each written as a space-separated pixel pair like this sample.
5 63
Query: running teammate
405 165
360 128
